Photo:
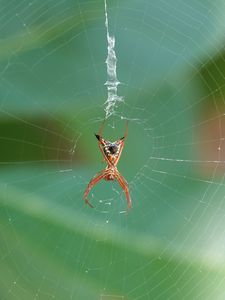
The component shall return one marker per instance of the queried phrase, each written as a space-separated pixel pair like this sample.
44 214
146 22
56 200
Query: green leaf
55 62
53 246
58 247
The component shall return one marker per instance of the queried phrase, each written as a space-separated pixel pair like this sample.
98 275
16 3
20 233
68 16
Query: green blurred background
171 61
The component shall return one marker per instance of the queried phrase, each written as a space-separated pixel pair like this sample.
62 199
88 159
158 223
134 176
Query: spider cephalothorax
111 152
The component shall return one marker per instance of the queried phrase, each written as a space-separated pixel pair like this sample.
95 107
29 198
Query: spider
111 152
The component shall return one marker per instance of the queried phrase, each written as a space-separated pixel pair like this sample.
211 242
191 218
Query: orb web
53 76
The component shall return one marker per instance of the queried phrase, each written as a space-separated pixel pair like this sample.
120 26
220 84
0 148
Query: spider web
169 58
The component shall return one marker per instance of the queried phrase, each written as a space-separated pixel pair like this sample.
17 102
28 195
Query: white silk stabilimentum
112 81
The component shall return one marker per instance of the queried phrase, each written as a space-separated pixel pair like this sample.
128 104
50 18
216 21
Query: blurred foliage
170 61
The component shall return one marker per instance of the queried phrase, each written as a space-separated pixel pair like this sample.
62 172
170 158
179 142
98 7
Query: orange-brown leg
101 128
93 181
126 130
124 185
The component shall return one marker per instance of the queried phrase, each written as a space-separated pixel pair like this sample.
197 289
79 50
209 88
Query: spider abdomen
113 149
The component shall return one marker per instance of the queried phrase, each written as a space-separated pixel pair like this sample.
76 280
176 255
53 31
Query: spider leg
101 128
126 131
99 176
124 185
